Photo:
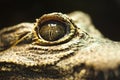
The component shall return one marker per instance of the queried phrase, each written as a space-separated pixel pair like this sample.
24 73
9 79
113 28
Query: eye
53 28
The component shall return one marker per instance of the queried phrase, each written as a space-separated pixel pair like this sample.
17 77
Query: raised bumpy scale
58 47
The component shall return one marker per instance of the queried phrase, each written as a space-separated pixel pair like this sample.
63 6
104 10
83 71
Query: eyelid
57 17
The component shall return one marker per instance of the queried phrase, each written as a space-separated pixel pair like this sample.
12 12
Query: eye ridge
53 30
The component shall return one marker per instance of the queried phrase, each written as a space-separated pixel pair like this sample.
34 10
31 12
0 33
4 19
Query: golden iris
52 30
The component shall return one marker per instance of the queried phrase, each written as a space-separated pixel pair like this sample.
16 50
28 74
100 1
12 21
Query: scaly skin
85 55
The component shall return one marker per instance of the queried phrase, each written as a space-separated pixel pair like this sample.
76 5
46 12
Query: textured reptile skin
84 55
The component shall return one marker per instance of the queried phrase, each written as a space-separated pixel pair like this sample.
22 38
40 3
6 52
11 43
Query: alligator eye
53 28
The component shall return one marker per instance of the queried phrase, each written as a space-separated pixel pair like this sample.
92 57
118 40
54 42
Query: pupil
52 31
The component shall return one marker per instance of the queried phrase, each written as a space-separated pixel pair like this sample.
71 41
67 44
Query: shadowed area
104 13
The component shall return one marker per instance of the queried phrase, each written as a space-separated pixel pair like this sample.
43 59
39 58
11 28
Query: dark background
105 14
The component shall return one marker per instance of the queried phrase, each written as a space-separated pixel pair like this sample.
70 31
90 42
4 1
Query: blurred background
105 14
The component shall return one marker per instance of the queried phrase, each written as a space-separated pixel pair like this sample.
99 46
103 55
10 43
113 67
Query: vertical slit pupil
52 30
